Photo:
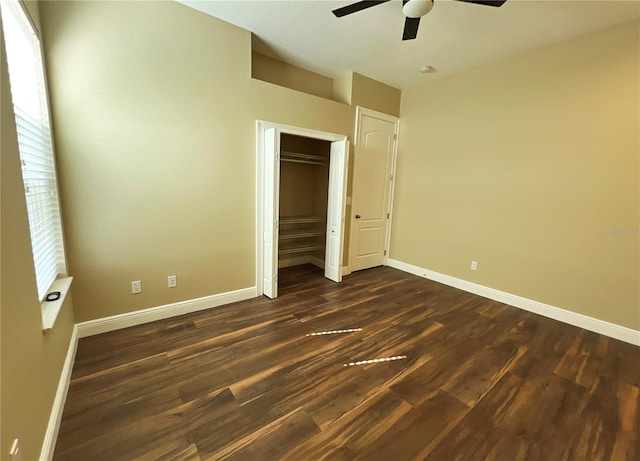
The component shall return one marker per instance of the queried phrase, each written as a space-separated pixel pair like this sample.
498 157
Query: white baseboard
129 319
55 418
612 330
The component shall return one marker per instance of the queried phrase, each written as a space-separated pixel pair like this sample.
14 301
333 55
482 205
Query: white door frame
361 111
261 127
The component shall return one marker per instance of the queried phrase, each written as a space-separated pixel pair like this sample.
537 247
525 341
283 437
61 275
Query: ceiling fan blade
410 28
495 3
357 6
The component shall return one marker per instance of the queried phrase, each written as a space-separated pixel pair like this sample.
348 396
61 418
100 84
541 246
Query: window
26 77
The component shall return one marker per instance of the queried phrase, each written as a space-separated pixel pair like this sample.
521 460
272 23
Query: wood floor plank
427 380
475 378
472 379
415 435
583 360
273 440
345 438
162 432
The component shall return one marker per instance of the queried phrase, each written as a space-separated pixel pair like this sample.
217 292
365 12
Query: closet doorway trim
261 127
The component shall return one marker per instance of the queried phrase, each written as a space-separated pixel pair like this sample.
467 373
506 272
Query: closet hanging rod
295 160
297 156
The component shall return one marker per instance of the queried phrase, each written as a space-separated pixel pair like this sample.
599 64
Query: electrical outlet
14 453
136 286
474 265
172 281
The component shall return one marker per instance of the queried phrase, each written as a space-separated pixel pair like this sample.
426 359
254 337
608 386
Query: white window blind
26 77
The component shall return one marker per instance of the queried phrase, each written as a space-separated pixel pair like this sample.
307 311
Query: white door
336 210
271 211
374 156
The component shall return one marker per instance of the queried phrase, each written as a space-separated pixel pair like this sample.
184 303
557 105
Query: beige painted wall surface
342 87
280 73
375 95
530 167
31 361
33 10
156 113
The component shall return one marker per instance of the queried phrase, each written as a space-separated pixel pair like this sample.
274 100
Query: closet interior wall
304 189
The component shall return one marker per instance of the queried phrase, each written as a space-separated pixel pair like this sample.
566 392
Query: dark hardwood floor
473 379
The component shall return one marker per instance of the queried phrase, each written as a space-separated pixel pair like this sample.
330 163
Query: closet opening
301 188
304 189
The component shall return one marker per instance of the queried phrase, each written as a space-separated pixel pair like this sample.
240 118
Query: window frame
47 249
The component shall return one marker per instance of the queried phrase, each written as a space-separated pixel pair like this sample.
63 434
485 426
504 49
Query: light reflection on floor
366 362
334 332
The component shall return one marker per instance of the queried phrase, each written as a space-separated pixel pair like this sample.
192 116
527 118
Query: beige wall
31 361
342 87
156 114
351 88
522 166
375 95
278 72
359 90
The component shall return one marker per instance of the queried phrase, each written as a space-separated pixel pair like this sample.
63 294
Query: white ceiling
453 37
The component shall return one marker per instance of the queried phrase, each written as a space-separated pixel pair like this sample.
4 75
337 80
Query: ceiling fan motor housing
416 8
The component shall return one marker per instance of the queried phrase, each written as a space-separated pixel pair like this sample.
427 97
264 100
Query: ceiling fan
412 9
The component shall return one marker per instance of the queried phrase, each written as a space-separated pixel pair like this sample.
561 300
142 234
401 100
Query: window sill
51 309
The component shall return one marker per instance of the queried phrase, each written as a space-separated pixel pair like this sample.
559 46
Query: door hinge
391 178
395 137
387 215
385 252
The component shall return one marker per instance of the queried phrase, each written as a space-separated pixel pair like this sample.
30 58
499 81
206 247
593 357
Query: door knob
358 216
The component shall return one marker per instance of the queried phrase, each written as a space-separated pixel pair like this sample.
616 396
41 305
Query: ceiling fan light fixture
413 10
417 8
